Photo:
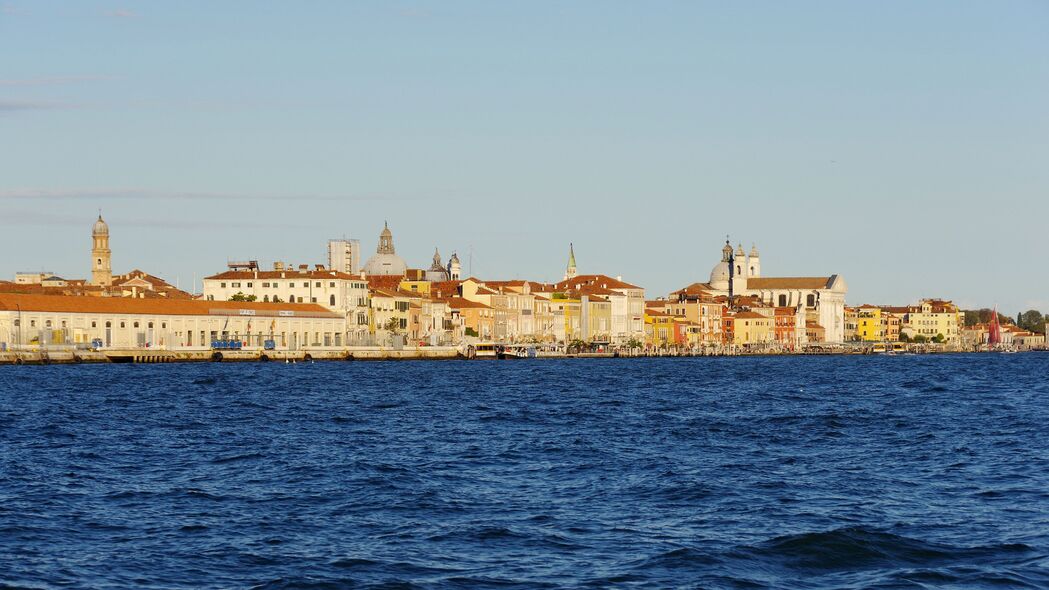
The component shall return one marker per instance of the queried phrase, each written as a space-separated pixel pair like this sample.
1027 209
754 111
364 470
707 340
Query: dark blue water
905 472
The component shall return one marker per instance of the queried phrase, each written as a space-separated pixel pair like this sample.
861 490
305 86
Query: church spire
571 271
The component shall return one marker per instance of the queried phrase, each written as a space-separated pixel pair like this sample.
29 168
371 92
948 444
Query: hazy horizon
898 145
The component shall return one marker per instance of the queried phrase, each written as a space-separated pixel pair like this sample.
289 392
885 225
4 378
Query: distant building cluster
385 302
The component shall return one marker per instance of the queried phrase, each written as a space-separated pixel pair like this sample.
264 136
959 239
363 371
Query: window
300 299
47 324
222 285
331 284
331 301
234 285
266 298
109 324
782 300
313 300
811 300
291 285
94 324
32 323
265 285
121 324
135 324
150 325
317 284
163 325
249 285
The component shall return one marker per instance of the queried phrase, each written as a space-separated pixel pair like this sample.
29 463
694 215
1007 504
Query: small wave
857 547
237 458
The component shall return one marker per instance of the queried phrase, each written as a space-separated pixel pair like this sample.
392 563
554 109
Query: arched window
739 270
752 271
149 325
47 323
331 301
109 324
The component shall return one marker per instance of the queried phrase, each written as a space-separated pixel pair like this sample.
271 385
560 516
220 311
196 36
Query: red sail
994 330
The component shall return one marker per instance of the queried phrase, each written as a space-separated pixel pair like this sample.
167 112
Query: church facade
820 298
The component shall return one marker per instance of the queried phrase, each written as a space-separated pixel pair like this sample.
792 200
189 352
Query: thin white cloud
121 13
51 80
37 194
33 105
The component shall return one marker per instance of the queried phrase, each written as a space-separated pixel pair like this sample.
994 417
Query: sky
903 145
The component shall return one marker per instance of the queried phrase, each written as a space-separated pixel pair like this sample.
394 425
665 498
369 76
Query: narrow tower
101 263
571 271
755 263
454 268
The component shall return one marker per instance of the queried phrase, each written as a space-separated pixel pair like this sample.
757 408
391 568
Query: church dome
100 227
385 261
719 276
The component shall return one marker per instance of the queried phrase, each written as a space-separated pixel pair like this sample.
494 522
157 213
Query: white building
117 322
336 291
344 256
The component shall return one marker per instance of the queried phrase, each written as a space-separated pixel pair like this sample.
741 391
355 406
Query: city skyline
841 140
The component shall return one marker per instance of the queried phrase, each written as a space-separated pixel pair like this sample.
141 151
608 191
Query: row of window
291 285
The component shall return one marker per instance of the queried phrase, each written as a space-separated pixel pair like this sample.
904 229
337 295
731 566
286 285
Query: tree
392 325
238 296
904 337
470 332
939 339
919 339
1032 321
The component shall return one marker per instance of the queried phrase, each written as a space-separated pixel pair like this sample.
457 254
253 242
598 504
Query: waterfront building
659 329
869 324
476 318
789 327
116 322
627 303
751 328
933 319
344 256
101 255
337 291
822 299
385 261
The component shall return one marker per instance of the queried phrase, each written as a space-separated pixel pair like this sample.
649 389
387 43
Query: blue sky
904 145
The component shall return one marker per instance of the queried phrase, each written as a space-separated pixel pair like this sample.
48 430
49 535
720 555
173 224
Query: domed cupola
101 228
385 261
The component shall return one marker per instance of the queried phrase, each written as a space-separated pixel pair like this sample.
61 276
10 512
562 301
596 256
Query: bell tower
571 271
101 255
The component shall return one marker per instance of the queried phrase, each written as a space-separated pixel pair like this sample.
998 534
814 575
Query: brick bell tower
101 255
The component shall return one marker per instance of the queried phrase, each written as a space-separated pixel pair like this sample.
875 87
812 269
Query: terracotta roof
603 281
789 283
288 274
388 282
750 315
128 305
460 303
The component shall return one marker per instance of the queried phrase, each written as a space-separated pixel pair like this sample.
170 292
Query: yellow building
753 328
869 324
934 319
659 328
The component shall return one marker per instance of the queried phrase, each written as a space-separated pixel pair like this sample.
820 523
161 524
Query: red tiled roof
288 274
134 306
